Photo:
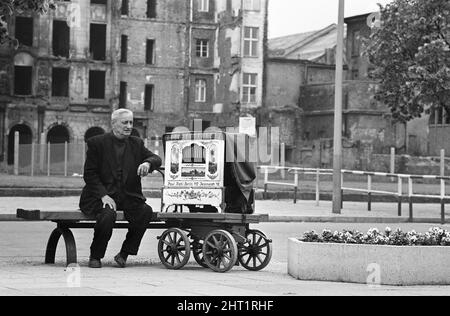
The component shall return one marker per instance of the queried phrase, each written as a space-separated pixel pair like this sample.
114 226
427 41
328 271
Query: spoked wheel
256 252
174 248
197 251
220 251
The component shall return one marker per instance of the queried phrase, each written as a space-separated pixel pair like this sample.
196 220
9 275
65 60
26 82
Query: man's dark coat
100 170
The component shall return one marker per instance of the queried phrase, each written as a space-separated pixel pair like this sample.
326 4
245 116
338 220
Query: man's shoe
95 263
121 262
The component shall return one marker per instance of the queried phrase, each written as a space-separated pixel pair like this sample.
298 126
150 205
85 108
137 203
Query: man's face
123 125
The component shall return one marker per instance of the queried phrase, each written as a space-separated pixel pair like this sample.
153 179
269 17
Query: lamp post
337 146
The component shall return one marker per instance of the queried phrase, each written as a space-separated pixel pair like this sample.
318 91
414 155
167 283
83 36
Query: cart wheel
174 248
197 248
256 252
220 251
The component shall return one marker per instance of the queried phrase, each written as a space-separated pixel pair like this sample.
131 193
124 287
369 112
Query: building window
203 5
148 97
202 48
24 30
96 84
252 5
125 8
123 95
151 9
200 90
60 82
355 74
123 49
61 39
99 2
97 42
251 41
249 88
439 117
149 54
22 80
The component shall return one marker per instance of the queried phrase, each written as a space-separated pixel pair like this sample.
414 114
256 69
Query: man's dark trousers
136 212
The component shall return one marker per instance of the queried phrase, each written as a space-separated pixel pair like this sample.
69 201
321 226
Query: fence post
282 160
266 178
16 153
157 146
442 201
442 162
410 195
48 159
65 159
392 169
42 153
83 146
32 158
369 193
400 193
317 187
342 190
296 186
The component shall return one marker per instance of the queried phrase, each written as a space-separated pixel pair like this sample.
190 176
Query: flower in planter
435 236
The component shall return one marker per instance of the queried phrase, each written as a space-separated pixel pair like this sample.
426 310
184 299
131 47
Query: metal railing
370 190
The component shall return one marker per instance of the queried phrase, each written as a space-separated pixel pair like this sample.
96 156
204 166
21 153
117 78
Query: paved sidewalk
278 210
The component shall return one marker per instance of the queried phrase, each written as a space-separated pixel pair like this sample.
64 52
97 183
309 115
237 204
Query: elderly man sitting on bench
115 163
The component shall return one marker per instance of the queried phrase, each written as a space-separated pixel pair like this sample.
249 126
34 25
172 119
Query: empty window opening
148 99
202 48
97 46
61 39
22 80
123 49
96 84
123 95
60 82
93 131
149 54
125 7
151 9
24 30
25 138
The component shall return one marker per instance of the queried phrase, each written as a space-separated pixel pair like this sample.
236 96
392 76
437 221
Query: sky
297 16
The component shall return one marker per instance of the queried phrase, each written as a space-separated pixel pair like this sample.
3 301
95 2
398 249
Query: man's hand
108 201
143 169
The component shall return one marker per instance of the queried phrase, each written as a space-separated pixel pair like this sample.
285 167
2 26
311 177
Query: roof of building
310 46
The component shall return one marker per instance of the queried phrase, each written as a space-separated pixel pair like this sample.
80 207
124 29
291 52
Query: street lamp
337 146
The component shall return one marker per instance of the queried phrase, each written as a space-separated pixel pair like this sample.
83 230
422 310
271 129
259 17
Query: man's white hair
118 113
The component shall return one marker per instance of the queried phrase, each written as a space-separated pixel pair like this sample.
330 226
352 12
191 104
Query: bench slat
77 216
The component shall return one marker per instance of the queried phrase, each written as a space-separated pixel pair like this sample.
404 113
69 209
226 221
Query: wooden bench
67 220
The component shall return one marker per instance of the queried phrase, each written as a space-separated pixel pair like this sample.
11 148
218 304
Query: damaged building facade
300 80
169 61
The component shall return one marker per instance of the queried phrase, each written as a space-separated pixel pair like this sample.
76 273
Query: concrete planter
371 264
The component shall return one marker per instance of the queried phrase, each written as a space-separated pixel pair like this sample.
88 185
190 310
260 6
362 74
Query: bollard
410 193
442 162
296 186
283 159
442 211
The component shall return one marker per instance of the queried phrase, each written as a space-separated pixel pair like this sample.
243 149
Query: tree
410 51
9 8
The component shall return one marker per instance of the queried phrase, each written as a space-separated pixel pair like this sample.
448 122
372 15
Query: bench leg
69 240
